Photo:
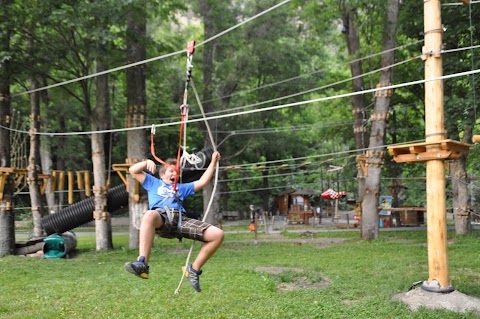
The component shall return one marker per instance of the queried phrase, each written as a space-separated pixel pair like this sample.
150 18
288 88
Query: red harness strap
184 112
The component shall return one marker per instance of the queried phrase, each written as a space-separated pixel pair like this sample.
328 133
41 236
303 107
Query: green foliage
295 53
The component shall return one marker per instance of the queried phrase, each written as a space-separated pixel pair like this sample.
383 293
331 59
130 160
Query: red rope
152 149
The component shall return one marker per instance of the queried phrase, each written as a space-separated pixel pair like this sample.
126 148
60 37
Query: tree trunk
46 160
376 153
136 114
62 141
7 215
34 161
53 193
349 19
461 209
101 120
47 164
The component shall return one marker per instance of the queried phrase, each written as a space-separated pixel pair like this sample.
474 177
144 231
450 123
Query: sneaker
193 278
139 268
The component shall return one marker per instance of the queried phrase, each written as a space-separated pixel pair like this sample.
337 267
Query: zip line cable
331 84
51 134
275 107
154 58
326 154
317 88
259 103
339 82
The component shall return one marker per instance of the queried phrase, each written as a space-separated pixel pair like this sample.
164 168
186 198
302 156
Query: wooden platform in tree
19 174
422 152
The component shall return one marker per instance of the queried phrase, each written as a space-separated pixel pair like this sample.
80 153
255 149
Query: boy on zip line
166 218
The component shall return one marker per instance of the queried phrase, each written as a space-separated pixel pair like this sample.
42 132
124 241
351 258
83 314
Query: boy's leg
150 222
213 237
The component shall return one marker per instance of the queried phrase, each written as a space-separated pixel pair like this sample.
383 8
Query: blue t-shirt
161 195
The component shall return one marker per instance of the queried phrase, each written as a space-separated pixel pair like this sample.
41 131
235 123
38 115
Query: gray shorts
191 228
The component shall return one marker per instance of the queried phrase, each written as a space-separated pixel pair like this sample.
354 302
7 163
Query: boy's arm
207 176
137 170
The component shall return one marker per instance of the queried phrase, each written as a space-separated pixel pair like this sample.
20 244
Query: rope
215 182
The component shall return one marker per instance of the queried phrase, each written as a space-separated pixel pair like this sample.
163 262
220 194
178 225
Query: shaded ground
454 301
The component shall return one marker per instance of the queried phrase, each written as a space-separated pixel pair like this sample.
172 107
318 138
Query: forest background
250 55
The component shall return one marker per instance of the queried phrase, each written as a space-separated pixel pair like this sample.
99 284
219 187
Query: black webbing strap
179 224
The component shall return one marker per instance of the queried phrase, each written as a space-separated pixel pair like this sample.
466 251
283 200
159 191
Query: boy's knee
151 216
219 234
213 233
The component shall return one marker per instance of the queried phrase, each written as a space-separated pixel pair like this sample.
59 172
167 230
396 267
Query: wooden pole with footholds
434 151
438 280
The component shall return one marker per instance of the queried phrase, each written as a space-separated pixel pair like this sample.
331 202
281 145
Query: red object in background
387 223
191 47
331 194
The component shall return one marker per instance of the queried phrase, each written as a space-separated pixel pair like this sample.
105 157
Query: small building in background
296 204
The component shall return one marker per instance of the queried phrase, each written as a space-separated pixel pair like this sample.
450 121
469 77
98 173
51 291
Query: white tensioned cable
275 107
320 87
339 82
241 107
177 291
154 58
327 154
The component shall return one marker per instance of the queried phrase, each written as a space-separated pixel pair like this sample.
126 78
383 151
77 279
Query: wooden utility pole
434 132
436 149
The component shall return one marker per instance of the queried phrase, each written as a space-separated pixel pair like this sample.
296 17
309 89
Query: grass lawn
360 278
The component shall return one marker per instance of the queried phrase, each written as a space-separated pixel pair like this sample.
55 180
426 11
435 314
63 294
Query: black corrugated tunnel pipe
81 213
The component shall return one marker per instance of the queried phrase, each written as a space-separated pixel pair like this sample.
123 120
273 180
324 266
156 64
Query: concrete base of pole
434 286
